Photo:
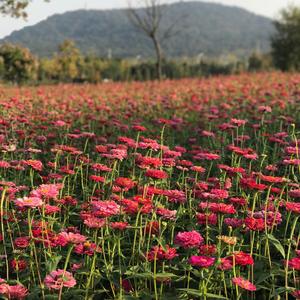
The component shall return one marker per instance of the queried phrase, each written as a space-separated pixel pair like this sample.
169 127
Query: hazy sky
38 10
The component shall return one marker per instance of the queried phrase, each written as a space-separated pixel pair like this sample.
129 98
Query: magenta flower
188 239
201 261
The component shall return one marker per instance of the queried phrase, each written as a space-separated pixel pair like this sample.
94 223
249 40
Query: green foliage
208 28
68 59
14 8
18 64
259 62
286 40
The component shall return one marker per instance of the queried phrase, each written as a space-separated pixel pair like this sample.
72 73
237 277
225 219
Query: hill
209 28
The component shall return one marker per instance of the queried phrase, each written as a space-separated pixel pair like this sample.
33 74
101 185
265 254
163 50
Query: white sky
38 10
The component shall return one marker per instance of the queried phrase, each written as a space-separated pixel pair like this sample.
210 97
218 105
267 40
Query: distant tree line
19 66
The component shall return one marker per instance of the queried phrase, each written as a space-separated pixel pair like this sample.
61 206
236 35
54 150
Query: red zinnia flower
96 178
293 206
119 225
18 264
272 179
208 250
294 263
156 174
160 253
124 182
34 164
243 259
255 224
21 242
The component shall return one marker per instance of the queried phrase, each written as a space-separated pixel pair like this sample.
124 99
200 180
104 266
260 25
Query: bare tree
148 18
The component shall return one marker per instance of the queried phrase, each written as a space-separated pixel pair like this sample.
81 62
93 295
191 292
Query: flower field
184 189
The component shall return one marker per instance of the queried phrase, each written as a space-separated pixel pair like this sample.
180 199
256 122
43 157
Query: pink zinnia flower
72 238
201 261
264 108
296 294
295 193
4 164
188 239
21 242
119 225
226 263
244 283
175 196
60 123
94 222
58 279
105 208
30 202
86 248
166 213
51 209
17 291
34 164
47 190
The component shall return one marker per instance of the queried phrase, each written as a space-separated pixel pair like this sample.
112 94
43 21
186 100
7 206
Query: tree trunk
158 58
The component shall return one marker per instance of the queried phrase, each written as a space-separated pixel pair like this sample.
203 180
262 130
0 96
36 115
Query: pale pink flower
47 191
58 279
244 283
105 208
72 238
60 123
94 222
30 202
17 291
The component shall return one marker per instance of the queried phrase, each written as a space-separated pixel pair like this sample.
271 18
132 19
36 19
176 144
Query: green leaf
199 294
150 275
53 262
50 297
147 275
165 275
214 296
280 291
277 244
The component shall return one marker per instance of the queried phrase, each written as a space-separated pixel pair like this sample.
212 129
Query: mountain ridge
209 28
